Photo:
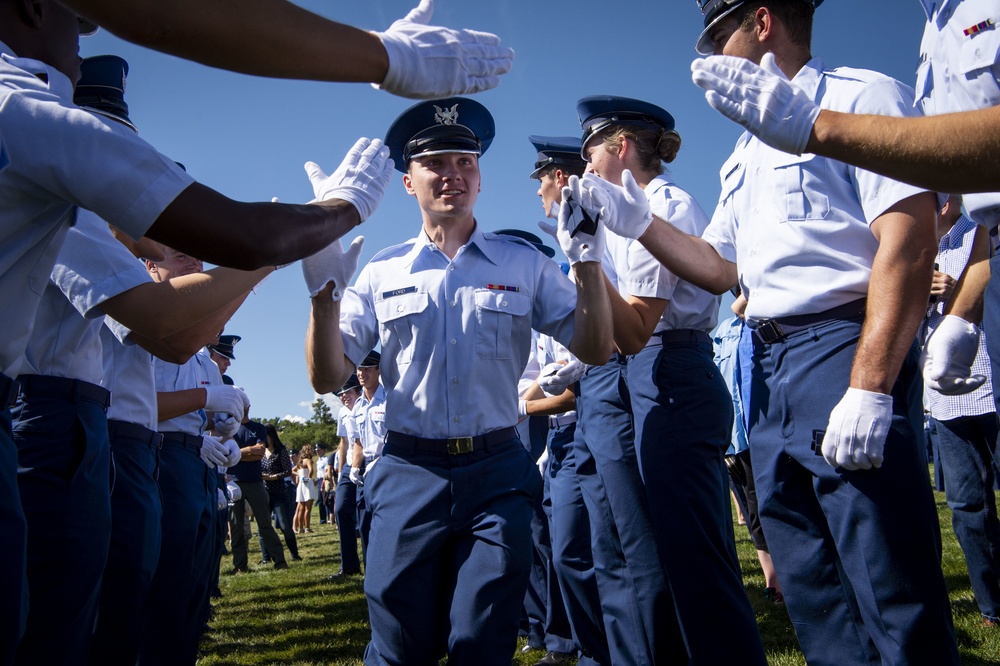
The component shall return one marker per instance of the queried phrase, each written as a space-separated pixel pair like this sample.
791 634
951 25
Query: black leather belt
182 439
8 390
769 331
454 445
135 431
683 335
74 390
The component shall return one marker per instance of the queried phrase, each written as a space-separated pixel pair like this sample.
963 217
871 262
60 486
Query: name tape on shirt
398 292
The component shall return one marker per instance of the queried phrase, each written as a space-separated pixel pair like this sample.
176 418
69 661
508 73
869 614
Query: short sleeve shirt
455 333
369 415
797 227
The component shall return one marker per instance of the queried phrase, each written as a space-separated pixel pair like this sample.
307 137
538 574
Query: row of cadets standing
347 492
369 417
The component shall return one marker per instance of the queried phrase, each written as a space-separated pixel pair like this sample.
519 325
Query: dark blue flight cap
556 150
101 88
225 346
531 238
601 111
451 125
716 10
351 383
372 360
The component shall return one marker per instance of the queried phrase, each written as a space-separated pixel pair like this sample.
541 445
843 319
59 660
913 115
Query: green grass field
299 617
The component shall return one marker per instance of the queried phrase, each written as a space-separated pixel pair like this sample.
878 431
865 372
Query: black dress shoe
556 659
296 558
340 575
264 562
281 565
238 570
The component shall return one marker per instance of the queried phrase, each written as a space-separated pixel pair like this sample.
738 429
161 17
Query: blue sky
248 137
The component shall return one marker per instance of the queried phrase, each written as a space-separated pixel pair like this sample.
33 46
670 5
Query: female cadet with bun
681 406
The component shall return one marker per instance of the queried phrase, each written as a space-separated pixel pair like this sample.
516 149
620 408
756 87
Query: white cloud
293 418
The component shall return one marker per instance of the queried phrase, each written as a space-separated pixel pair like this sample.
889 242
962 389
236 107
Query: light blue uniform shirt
129 375
54 157
797 227
689 306
91 267
172 377
455 333
370 419
960 72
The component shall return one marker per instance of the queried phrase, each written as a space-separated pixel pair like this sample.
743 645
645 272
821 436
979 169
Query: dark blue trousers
176 601
136 514
968 448
639 622
347 521
858 552
449 554
364 521
683 423
63 463
572 555
13 547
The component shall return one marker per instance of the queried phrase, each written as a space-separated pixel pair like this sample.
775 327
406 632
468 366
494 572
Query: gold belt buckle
457 445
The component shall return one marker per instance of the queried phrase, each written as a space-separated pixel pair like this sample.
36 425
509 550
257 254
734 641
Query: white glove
948 356
226 399
542 461
233 453
235 492
553 211
555 381
332 264
212 452
360 179
760 98
226 425
580 206
857 430
356 477
626 208
221 500
430 62
522 408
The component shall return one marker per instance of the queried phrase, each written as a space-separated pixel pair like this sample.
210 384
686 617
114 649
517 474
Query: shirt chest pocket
978 65
800 186
400 318
495 320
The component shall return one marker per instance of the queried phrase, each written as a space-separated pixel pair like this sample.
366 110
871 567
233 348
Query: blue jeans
858 552
968 448
281 509
683 424
63 463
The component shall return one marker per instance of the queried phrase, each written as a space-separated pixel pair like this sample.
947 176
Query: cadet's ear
32 12
408 184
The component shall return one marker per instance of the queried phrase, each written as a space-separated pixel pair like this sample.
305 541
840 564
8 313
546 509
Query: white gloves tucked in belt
332 264
429 62
948 356
360 179
859 424
760 98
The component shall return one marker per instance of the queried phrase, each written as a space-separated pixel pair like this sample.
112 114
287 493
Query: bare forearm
205 224
357 456
325 360
593 334
967 299
556 404
171 404
689 258
922 151
897 299
288 41
158 309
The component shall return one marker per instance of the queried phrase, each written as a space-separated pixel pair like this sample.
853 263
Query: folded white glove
429 62
859 424
948 356
226 399
235 492
226 425
360 179
357 478
522 408
233 453
760 98
212 452
580 232
332 264
221 501
555 381
625 209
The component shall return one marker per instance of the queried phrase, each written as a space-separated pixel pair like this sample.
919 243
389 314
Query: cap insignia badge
446 116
